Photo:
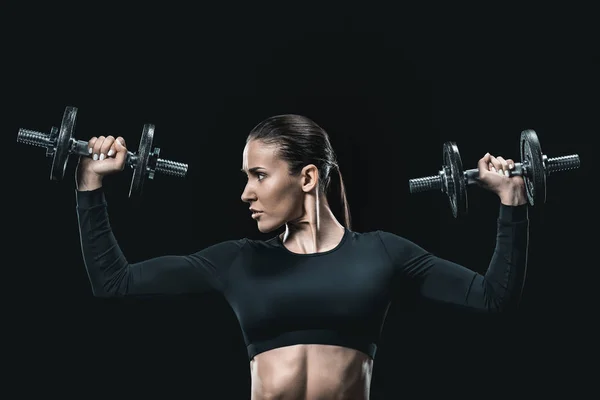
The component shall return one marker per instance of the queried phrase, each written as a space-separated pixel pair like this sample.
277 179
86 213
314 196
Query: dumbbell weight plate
63 142
141 164
454 179
534 176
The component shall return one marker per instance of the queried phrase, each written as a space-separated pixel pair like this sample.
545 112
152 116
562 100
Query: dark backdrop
390 85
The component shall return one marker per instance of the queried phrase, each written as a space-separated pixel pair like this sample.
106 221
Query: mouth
256 214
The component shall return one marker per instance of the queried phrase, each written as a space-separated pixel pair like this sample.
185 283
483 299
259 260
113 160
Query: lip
256 214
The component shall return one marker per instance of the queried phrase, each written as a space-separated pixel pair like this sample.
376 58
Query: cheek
281 197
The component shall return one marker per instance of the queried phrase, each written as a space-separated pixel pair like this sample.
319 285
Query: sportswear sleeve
445 281
110 274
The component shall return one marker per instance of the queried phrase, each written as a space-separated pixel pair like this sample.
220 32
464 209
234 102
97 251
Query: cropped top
280 298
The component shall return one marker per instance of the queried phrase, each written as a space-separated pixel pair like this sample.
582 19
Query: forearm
104 261
501 286
447 282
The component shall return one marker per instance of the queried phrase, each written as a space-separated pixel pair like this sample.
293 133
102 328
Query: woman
311 301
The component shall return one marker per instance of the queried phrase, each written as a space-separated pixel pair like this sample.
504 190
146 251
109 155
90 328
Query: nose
246 195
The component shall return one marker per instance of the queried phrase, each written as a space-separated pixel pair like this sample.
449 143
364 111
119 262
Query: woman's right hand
107 156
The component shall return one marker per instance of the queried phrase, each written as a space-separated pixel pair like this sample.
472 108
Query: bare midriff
315 372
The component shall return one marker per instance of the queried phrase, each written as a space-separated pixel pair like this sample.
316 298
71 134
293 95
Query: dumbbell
60 144
534 167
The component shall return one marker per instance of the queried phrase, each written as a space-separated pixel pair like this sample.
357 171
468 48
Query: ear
309 178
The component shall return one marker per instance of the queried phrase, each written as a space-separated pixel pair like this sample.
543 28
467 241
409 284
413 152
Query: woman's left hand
494 176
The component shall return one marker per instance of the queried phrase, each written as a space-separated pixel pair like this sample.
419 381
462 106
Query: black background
390 85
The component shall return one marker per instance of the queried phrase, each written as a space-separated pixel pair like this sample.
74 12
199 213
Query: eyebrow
251 170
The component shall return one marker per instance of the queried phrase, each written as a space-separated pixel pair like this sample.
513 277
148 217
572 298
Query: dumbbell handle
553 164
80 148
471 175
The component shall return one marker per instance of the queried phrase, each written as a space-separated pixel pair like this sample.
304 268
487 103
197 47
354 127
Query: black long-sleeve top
281 298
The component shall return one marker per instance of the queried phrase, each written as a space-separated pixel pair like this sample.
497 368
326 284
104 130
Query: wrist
513 199
88 181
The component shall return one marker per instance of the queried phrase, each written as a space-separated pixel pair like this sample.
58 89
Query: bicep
442 280
433 277
179 274
172 274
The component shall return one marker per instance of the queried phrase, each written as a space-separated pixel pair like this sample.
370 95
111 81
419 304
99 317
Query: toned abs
303 372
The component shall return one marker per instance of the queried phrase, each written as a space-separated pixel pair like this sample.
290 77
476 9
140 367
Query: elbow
100 292
502 305
498 299
109 286
495 309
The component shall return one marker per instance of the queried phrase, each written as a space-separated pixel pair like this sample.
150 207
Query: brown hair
300 141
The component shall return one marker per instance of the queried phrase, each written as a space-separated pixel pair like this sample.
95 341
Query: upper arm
436 278
180 274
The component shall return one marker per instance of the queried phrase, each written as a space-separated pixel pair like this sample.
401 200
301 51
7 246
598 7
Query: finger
511 166
503 165
113 149
484 162
492 168
91 144
497 165
106 145
116 146
97 147
121 141
120 148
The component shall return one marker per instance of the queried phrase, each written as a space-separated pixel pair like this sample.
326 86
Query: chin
266 227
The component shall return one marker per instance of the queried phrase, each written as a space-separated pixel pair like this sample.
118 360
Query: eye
258 174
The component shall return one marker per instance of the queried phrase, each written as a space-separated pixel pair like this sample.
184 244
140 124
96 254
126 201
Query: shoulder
398 246
229 246
390 237
233 243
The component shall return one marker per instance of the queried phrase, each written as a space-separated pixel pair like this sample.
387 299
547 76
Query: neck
316 231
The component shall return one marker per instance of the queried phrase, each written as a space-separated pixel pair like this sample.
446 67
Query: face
270 189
